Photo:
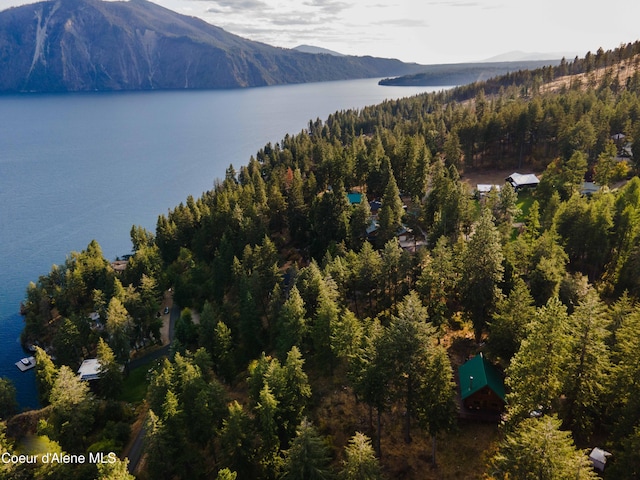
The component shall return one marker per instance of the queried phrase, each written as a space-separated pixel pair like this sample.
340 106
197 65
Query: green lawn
525 200
134 387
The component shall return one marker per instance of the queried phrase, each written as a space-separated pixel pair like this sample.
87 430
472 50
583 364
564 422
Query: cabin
89 370
519 181
483 189
481 385
409 240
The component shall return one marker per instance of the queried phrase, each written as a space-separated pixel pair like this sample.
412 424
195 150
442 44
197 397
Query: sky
423 31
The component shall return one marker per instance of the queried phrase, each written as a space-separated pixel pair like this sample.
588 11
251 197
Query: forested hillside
316 341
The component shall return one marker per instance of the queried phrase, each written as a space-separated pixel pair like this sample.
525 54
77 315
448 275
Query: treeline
529 81
285 288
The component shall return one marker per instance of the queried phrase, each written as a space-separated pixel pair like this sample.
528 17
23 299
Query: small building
598 458
519 181
589 188
119 266
354 198
89 370
375 206
481 385
483 189
619 138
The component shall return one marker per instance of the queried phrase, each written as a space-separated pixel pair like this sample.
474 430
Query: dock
23 366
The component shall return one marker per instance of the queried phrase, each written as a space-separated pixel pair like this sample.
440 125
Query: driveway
137 445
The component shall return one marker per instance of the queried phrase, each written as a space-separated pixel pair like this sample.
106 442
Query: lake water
77 167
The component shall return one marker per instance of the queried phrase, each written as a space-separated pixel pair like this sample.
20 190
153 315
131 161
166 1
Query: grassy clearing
460 455
525 200
134 387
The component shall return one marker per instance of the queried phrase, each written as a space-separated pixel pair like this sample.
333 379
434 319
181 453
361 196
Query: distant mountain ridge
92 45
317 50
463 73
520 56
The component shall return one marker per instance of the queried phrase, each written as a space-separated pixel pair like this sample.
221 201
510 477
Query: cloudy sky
424 31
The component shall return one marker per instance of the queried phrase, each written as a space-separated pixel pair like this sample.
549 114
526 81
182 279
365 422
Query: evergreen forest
326 293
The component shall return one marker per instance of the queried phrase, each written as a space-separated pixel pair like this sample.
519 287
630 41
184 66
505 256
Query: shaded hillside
85 45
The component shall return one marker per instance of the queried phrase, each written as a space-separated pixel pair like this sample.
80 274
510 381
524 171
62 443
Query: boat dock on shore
26 363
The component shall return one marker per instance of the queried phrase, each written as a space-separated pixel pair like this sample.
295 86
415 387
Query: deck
24 367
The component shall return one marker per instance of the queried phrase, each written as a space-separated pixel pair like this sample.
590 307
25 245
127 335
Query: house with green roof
481 385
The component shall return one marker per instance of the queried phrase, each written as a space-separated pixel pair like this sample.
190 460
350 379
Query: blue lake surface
77 167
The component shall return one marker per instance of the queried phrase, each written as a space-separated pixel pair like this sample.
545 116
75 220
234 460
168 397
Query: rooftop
354 198
89 370
518 179
477 373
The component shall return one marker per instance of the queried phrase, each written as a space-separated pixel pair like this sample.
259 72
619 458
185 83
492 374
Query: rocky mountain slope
87 45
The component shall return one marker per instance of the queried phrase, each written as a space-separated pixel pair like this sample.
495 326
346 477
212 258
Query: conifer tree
406 348
72 409
327 316
547 269
369 373
308 456
437 283
226 474
236 439
587 365
509 323
110 371
46 373
8 404
114 471
391 212
436 407
360 462
118 325
269 447
292 323
539 450
482 272
535 375
624 381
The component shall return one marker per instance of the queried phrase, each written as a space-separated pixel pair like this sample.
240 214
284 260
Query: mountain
463 73
88 45
519 56
317 50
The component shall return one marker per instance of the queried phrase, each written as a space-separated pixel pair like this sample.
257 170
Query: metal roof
90 369
477 373
518 179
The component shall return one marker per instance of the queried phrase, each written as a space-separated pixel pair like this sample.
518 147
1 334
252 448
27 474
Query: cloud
295 19
456 3
328 5
403 22
235 5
